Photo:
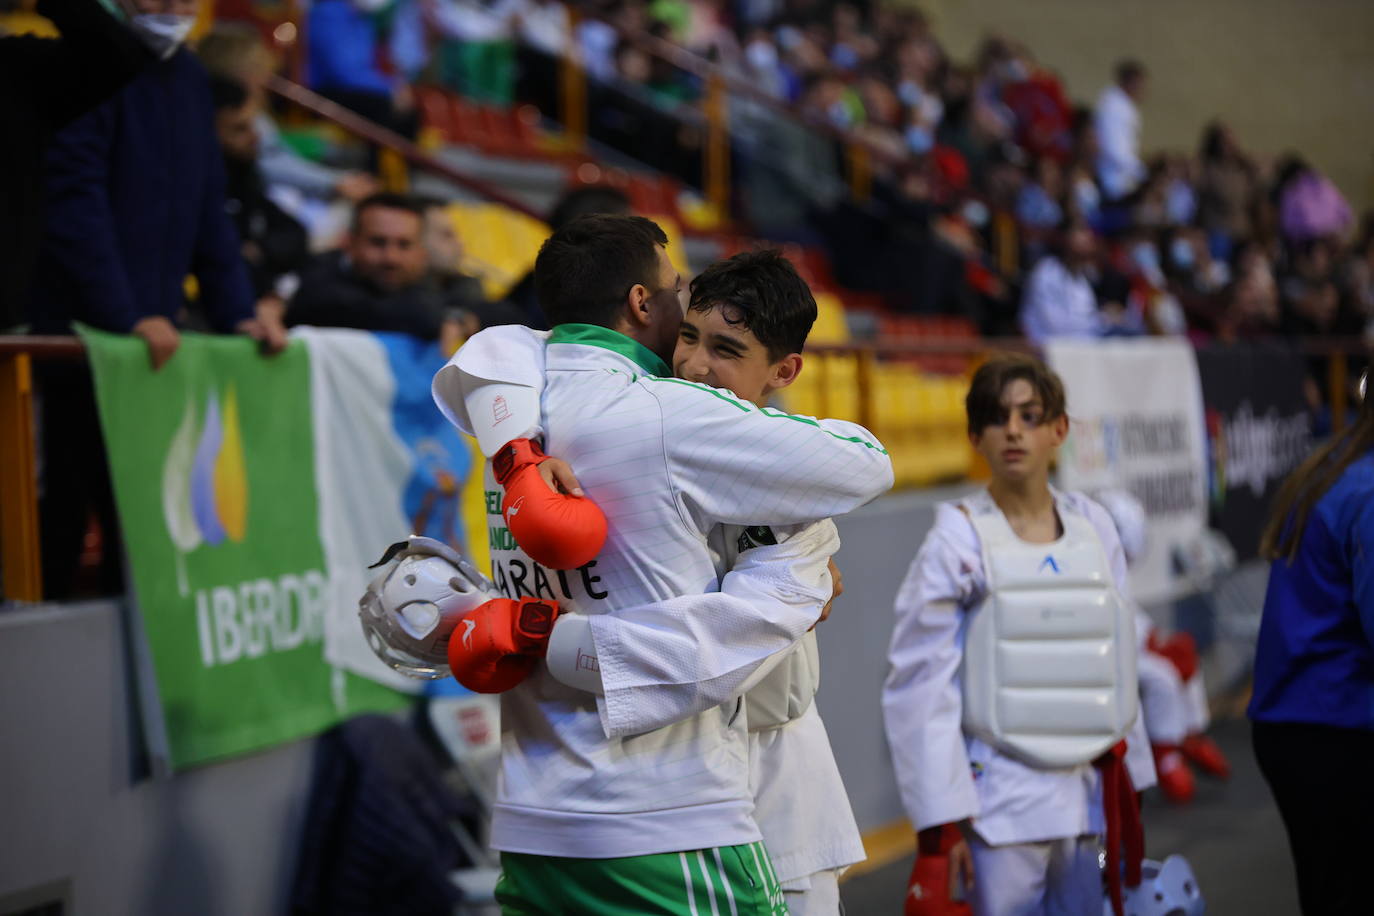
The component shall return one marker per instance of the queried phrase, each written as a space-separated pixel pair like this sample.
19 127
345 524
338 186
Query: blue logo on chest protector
1050 562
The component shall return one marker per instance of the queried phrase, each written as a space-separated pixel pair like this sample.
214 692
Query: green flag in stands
213 465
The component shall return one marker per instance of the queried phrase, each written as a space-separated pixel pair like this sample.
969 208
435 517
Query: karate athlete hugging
613 802
1012 672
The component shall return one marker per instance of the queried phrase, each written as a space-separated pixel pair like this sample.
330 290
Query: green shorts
725 881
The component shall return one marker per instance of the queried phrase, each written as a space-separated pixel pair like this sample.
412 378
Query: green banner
213 465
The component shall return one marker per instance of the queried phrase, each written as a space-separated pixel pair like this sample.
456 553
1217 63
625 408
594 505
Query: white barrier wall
82 824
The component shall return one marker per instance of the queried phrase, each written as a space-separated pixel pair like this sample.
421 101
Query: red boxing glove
928 888
496 645
927 891
557 530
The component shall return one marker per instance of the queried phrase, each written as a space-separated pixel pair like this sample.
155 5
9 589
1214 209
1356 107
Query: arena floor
1231 834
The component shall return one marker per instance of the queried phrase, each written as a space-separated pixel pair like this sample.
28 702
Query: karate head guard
1132 525
1167 888
411 607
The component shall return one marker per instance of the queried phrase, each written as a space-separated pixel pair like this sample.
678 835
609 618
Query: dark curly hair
761 292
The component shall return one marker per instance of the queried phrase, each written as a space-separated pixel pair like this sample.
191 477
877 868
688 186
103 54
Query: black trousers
1321 779
75 482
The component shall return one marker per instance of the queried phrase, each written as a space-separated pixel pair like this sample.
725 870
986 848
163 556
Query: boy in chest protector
1011 703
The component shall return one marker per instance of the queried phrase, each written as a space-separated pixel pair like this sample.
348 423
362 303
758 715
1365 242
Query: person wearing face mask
49 83
135 204
1059 300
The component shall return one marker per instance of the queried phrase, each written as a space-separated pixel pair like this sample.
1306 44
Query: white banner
1136 423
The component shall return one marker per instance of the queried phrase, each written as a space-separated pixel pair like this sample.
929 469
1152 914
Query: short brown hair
984 400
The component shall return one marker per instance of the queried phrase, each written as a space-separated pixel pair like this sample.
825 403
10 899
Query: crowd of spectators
994 197
984 168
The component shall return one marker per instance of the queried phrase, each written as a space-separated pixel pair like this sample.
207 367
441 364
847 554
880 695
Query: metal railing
391 141
20 560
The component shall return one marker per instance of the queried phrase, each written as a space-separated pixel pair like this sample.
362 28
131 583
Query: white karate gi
667 461
945 777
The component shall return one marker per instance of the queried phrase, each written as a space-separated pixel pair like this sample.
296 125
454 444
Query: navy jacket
47 84
135 202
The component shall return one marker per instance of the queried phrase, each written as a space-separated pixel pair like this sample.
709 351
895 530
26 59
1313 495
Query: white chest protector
1049 656
788 691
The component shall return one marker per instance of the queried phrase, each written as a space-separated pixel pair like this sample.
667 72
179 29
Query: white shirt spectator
1059 302
1117 121
544 24
597 40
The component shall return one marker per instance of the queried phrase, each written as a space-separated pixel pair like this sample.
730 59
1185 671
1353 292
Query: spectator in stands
763 64
1037 207
380 280
462 294
582 201
135 196
342 65
1226 189
598 35
1059 299
136 202
47 84
275 245
1310 206
793 172
311 191
1119 167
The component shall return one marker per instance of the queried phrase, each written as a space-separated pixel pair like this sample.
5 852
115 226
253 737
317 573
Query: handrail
43 347
356 124
19 522
706 70
71 347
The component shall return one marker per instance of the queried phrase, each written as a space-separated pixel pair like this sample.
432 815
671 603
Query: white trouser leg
1163 701
1075 882
1009 880
814 895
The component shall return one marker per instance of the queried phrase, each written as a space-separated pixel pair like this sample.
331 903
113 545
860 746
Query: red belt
1121 807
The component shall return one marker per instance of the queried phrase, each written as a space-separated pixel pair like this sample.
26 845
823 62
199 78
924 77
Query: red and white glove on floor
557 530
495 646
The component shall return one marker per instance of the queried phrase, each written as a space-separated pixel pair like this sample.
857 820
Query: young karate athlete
744 330
595 813
1013 678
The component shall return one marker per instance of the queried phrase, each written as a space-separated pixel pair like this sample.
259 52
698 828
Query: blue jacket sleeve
226 292
79 228
1362 566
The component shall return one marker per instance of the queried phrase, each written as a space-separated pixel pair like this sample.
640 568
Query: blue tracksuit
1315 661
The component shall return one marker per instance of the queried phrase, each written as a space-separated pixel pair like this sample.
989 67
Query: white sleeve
491 387
663 662
922 704
1140 761
733 463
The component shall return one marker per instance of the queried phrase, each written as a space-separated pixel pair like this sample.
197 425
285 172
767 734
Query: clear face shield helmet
416 599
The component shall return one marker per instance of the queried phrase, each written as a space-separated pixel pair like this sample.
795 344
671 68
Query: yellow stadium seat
830 326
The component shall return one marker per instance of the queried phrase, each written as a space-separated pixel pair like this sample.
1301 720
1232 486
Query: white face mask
163 33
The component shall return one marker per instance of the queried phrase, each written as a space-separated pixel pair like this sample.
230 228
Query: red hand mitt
496 645
557 530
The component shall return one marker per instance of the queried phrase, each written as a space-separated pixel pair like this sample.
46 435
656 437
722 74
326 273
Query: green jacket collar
591 335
